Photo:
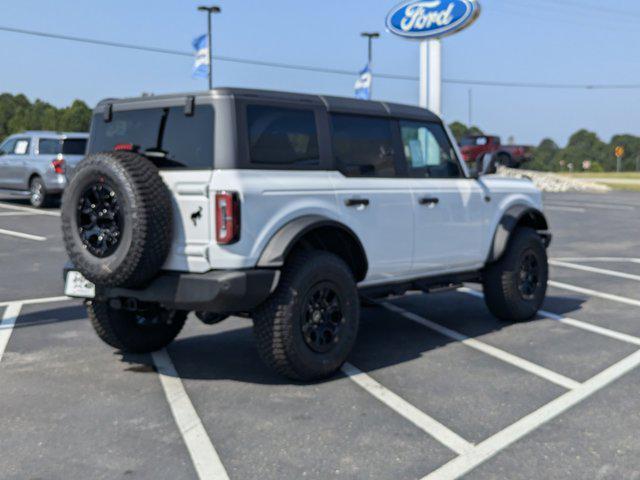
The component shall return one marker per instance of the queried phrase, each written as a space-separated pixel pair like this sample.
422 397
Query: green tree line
583 146
17 114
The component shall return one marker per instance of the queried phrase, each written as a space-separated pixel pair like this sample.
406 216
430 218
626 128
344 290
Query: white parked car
286 208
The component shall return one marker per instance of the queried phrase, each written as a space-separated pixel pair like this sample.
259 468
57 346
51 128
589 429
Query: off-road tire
145 212
121 329
278 322
501 279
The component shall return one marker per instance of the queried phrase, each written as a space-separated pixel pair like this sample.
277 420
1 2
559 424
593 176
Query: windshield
167 136
69 146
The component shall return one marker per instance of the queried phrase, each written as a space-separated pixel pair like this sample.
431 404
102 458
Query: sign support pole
424 68
431 75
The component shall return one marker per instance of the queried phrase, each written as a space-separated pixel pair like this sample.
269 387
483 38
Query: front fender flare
512 218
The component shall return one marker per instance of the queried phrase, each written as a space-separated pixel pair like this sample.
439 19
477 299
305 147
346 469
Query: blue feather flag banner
364 83
201 64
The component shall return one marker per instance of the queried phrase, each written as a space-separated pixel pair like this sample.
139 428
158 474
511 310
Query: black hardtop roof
332 103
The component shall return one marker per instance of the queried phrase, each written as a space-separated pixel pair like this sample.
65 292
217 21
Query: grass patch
612 175
617 186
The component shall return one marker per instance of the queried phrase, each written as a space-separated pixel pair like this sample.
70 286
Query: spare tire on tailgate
117 219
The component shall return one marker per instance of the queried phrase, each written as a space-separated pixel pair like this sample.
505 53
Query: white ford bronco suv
287 209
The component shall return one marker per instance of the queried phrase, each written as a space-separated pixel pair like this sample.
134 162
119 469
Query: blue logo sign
432 18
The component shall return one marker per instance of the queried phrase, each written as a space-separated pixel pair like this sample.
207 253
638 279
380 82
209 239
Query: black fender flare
284 240
511 219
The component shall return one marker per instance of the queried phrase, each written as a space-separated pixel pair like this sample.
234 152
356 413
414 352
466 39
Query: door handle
429 201
357 202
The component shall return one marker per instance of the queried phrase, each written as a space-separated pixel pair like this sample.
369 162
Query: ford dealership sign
432 18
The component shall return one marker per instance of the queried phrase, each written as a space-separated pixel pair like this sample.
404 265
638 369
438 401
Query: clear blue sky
556 41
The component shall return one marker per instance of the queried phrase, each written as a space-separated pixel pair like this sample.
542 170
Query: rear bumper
217 291
54 183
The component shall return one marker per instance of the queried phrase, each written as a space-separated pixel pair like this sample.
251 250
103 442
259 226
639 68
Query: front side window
363 146
282 136
167 136
8 146
428 152
474 141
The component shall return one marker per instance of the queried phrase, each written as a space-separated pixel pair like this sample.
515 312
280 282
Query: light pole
210 11
370 36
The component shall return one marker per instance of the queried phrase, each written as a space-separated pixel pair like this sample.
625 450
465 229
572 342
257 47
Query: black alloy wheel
99 219
529 275
322 318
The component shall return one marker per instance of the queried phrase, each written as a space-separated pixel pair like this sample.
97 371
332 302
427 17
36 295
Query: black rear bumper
221 291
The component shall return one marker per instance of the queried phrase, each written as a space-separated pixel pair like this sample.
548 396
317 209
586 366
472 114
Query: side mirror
486 165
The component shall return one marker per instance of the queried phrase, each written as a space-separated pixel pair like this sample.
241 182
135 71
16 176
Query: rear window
167 136
69 146
282 136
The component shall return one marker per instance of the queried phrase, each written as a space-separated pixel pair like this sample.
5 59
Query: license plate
78 286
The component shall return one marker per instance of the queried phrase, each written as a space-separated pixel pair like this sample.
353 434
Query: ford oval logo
432 18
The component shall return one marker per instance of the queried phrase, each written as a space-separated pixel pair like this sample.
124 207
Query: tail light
125 147
227 218
58 164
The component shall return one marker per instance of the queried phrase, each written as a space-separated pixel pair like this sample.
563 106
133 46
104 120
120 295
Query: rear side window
22 146
363 146
69 146
282 136
167 136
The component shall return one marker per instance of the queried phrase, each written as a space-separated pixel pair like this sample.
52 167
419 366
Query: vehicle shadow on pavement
385 339
52 315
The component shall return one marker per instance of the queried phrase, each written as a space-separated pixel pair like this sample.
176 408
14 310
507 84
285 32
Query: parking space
436 387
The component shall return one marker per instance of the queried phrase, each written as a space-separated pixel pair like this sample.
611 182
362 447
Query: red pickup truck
474 147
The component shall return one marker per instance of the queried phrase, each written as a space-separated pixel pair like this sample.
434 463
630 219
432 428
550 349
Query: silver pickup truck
38 165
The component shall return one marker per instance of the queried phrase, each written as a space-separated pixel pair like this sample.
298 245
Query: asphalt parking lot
436 387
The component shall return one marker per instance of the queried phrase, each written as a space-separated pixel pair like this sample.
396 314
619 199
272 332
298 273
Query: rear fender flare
285 239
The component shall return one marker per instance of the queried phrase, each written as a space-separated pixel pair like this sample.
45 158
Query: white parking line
36 301
7 323
565 209
601 271
595 293
463 464
27 236
420 419
28 209
603 206
17 214
506 357
623 337
203 454
599 259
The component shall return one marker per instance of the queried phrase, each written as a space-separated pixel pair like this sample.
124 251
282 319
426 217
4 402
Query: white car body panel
191 241
387 221
402 239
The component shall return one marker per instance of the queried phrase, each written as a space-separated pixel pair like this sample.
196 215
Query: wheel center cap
317 316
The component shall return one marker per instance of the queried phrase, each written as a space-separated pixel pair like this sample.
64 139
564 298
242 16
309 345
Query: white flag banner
364 83
201 63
